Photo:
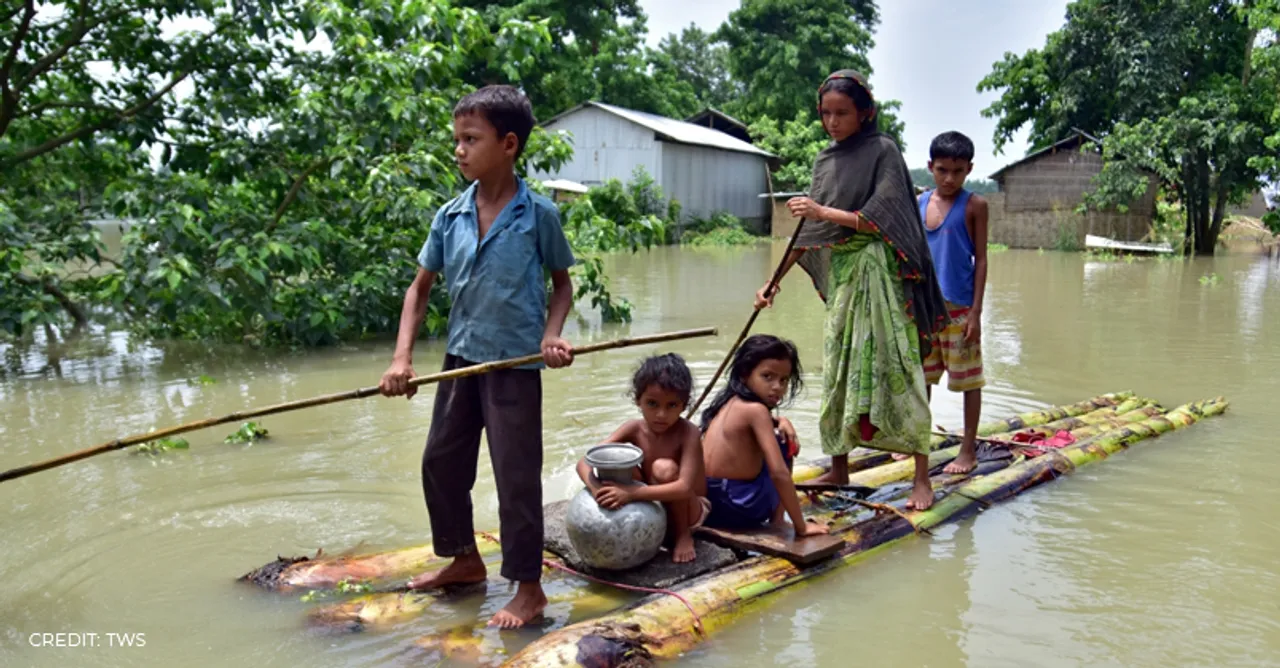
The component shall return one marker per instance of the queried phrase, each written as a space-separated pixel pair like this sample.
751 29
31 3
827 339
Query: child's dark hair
850 89
750 354
951 145
506 109
668 372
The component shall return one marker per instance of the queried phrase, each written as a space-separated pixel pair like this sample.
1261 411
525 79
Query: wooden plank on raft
775 542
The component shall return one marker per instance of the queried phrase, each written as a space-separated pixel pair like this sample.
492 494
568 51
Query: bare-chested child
747 452
672 467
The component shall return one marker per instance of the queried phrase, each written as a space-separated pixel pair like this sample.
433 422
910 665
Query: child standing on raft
672 447
863 244
748 454
955 222
491 244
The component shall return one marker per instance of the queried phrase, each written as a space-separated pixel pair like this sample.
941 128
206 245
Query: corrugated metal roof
673 130
1076 137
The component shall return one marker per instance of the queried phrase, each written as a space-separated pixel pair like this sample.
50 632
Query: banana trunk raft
610 628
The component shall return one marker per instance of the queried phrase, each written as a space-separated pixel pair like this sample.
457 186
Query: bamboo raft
612 628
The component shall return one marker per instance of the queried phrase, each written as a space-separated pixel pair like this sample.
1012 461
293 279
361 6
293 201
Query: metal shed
704 169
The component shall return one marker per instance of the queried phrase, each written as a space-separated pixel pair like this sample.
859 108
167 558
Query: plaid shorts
962 361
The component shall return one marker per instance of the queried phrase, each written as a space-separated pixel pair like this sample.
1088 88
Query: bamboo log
865 458
121 443
1082 426
660 627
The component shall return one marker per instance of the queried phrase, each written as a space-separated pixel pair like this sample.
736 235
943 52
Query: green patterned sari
871 358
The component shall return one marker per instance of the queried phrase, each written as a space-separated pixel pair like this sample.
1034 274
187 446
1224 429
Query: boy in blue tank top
955 222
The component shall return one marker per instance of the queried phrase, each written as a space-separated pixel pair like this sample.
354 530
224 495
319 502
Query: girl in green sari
864 246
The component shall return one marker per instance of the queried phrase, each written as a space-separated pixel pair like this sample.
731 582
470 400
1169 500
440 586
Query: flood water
1163 555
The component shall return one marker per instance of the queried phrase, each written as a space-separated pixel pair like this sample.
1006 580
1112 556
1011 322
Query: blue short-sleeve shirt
496 283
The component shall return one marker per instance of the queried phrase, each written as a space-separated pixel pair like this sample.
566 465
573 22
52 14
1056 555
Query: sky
930 54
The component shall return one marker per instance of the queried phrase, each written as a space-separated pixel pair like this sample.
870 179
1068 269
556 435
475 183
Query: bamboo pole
660 627
773 283
121 443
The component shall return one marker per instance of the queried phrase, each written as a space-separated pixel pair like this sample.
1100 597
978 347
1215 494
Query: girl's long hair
750 354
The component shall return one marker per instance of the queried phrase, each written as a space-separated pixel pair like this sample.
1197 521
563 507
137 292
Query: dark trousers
507 405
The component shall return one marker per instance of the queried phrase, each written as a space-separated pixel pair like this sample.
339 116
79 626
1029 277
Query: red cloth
1038 444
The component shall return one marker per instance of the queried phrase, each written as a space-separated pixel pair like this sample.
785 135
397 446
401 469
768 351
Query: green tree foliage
781 50
281 199
596 52
1171 86
695 68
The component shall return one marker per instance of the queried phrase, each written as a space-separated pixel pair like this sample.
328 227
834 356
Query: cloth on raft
745 504
1038 444
882 297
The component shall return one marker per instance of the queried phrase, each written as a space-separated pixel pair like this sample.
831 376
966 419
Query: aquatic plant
247 433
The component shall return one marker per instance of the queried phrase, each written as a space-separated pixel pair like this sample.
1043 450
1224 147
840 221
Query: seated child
672 467
748 453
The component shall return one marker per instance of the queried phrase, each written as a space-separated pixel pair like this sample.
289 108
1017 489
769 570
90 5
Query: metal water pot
615 539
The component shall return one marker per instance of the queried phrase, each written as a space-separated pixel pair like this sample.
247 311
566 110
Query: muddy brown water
1164 555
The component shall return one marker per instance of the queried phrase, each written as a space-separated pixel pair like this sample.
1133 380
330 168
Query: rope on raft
879 508
697 621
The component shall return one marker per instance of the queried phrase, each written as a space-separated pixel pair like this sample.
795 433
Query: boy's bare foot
683 551
898 456
526 607
464 570
965 461
921 497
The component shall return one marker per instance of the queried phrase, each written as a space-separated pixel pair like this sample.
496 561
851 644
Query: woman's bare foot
467 569
921 489
921 497
839 473
683 551
965 461
527 606
898 456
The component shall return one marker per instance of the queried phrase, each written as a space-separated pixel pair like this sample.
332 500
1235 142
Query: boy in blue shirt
491 244
955 223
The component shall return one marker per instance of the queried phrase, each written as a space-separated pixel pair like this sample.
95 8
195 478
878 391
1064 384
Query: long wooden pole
773 283
322 400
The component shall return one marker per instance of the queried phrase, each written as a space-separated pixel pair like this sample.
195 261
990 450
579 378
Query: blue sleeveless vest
952 250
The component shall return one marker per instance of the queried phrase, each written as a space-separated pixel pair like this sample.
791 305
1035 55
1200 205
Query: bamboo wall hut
1037 197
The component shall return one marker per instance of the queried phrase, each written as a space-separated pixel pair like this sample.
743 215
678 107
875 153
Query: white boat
1102 243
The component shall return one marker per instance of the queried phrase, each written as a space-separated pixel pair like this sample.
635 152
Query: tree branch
77 34
9 99
58 142
136 109
37 108
73 309
293 192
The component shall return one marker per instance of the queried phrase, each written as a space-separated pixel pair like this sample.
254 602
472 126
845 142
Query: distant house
705 169
1037 197
718 120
